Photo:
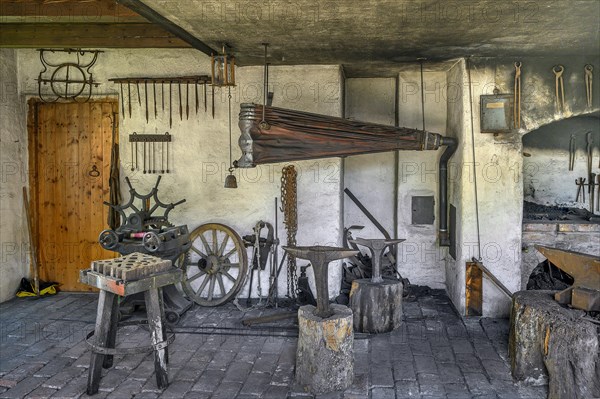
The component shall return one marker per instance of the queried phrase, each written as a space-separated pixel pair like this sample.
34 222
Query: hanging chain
289 203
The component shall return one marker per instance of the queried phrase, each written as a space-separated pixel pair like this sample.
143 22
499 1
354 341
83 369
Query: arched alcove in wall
547 179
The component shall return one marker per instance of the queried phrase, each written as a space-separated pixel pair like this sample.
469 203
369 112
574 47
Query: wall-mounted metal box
423 209
496 113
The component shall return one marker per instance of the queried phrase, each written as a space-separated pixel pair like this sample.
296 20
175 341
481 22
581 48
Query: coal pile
533 211
546 276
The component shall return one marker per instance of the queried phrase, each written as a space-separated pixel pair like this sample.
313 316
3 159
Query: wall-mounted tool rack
153 152
167 87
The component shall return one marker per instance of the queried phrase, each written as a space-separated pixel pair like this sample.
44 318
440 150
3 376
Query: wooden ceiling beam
102 35
91 9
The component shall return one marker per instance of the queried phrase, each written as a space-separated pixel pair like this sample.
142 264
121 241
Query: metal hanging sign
70 81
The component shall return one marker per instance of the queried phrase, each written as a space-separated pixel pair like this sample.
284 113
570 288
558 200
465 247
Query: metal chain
289 203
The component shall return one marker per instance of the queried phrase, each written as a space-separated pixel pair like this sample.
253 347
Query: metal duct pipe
451 145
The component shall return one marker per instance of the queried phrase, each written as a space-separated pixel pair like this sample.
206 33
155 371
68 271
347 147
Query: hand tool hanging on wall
149 142
146 98
598 192
162 96
143 156
205 98
517 96
168 140
132 163
196 91
180 103
559 87
187 80
580 182
591 187
122 101
213 102
572 152
588 83
129 97
187 100
590 149
137 86
162 157
154 92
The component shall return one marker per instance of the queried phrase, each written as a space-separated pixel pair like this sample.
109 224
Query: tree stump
324 359
377 307
551 343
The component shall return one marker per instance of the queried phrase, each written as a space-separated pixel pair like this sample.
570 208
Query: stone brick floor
435 354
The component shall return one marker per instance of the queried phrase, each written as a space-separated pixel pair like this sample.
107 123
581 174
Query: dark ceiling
362 32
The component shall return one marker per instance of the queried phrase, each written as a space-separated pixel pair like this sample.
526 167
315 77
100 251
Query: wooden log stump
550 343
377 307
324 359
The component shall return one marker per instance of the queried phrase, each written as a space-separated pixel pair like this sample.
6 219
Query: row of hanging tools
559 86
154 157
149 87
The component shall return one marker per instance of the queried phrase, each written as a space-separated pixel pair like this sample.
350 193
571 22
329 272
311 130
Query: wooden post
324 359
377 307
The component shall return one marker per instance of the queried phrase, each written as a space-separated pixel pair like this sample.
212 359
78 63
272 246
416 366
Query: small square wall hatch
422 209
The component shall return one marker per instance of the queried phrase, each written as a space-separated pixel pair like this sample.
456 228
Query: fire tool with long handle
213 102
187 100
162 157
154 91
592 191
598 192
196 90
129 97
137 86
122 101
162 95
132 163
205 103
180 104
590 149
153 157
168 145
146 98
572 152
170 104
137 165
144 157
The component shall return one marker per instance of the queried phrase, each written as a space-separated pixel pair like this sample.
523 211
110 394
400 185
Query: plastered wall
200 149
14 256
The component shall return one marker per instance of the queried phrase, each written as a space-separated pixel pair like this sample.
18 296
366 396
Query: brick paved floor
435 354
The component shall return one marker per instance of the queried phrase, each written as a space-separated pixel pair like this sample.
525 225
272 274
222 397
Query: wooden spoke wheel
216 265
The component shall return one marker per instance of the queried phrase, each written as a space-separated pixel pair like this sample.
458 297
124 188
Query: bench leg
112 333
156 313
101 333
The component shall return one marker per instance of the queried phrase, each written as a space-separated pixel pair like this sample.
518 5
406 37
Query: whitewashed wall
14 247
200 145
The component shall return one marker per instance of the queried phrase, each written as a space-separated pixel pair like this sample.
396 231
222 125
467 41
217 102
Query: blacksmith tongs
559 87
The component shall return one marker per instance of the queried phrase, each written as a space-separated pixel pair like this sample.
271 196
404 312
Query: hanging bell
230 180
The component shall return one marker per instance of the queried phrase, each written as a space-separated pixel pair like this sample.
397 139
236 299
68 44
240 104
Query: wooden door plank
47 172
87 128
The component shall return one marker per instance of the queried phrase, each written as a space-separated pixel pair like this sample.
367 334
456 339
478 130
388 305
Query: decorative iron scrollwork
68 81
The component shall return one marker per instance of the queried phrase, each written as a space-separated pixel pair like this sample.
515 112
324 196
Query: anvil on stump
585 269
324 358
376 303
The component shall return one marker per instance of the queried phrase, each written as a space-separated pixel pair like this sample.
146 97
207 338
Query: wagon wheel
215 266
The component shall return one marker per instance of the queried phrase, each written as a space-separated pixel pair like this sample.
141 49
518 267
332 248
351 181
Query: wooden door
69 150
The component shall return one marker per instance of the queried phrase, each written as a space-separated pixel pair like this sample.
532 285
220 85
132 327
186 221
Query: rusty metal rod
495 280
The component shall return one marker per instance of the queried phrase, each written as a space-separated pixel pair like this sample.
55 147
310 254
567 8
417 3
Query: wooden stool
110 276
